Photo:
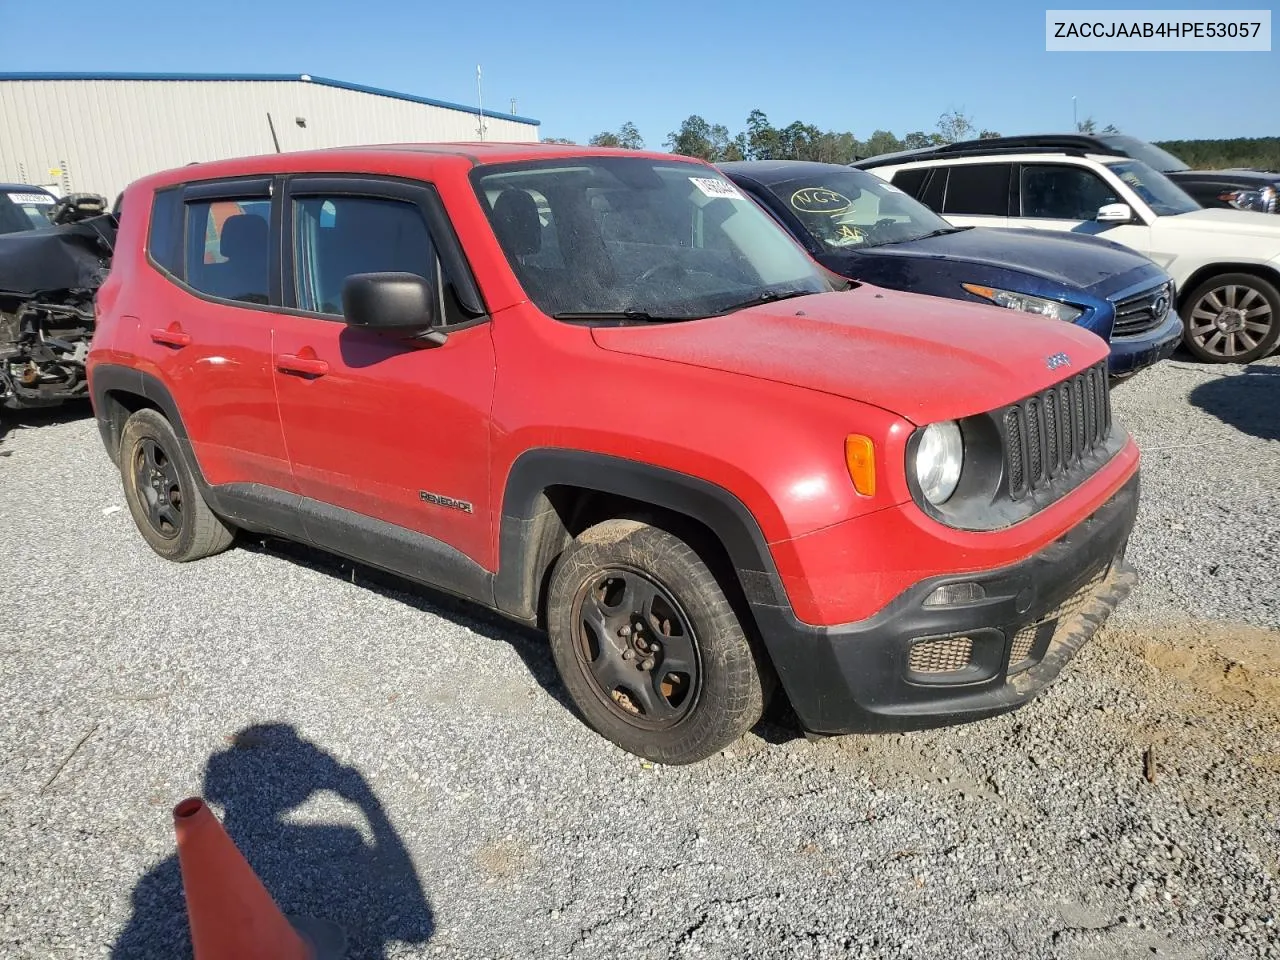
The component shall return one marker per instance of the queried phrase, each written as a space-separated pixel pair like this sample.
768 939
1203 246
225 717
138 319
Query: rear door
384 428
974 194
208 333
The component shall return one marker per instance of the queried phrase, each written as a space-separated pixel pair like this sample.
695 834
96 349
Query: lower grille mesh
941 656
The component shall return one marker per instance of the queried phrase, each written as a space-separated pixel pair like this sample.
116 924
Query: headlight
939 457
1262 200
1024 302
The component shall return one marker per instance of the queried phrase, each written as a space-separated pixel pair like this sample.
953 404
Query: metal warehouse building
97 132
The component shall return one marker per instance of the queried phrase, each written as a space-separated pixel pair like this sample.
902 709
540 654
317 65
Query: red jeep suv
602 392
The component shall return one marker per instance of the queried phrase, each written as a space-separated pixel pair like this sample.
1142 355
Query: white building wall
99 135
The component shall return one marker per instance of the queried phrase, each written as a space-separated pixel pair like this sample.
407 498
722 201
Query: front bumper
883 674
1132 354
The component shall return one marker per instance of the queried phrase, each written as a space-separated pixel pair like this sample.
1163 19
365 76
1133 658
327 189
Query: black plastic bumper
857 678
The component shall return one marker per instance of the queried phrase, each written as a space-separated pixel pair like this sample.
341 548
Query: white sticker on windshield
713 187
890 187
31 198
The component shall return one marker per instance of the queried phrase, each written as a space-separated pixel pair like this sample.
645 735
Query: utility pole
1075 121
480 99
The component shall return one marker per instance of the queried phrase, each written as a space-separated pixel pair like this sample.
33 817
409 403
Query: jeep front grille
1143 311
1050 433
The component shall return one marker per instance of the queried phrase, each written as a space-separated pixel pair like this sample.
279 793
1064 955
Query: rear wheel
648 645
160 489
1232 318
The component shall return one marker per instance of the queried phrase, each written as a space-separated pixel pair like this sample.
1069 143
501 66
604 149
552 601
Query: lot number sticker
716 188
31 198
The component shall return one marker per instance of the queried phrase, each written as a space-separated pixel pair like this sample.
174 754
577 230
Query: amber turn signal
860 454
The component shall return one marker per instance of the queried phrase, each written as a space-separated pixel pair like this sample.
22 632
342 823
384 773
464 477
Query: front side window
335 237
228 249
1063 192
1162 195
844 209
978 190
666 239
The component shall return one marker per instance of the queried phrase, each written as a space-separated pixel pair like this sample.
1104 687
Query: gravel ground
398 764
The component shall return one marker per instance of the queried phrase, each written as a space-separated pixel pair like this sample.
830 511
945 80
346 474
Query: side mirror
391 301
1114 213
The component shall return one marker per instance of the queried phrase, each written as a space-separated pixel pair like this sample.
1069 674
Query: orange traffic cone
230 912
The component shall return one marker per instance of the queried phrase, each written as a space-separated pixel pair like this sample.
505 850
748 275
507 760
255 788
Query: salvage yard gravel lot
407 767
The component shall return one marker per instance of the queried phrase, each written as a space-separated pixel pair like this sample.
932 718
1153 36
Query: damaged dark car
54 255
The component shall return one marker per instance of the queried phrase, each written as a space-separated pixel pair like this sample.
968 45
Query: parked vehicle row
602 392
1225 262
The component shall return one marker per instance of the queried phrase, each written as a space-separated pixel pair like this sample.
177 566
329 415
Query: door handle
172 336
310 366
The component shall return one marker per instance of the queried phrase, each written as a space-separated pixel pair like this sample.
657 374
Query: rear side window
228 248
979 189
334 237
164 235
911 181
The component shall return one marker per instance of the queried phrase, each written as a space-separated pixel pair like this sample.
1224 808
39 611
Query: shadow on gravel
321 870
11 420
778 726
1249 401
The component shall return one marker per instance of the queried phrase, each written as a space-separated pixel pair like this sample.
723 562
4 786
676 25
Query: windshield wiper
767 296
635 316
941 232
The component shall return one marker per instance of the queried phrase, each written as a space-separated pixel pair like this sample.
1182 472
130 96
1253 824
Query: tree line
762 140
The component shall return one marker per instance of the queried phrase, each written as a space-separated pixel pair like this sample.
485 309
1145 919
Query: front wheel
648 645
1232 318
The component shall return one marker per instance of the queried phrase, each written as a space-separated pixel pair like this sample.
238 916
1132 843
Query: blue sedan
861 227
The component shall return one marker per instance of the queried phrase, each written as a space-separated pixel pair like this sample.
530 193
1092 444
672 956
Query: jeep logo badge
1056 360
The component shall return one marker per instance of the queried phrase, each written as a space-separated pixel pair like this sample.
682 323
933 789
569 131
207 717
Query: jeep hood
923 358
1233 223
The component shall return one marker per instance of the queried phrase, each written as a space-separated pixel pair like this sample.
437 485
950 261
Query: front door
392 432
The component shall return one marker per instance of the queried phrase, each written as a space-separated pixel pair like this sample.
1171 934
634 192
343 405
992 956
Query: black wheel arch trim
110 378
531 530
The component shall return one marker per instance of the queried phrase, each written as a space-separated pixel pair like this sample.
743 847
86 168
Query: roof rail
1064 143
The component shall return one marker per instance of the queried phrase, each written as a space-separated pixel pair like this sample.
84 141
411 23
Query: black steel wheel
636 647
1232 318
648 645
161 491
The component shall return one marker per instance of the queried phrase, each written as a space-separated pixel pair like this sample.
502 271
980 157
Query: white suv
1226 263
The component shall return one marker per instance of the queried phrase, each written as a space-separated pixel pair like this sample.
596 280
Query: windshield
656 239
24 210
849 208
1148 153
1162 195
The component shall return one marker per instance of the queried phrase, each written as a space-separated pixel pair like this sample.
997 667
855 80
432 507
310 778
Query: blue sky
584 67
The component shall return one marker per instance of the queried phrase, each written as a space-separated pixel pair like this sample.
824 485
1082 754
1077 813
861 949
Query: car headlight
1025 302
939 457
1263 200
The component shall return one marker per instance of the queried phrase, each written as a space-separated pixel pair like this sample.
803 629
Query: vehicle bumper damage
48 279
935 657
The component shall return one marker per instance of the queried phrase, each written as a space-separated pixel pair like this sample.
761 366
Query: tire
163 496
692 684
1232 318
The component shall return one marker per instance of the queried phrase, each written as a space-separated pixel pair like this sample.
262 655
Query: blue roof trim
277 77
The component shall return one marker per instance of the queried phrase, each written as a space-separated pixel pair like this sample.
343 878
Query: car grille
1143 311
1049 434
946 655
